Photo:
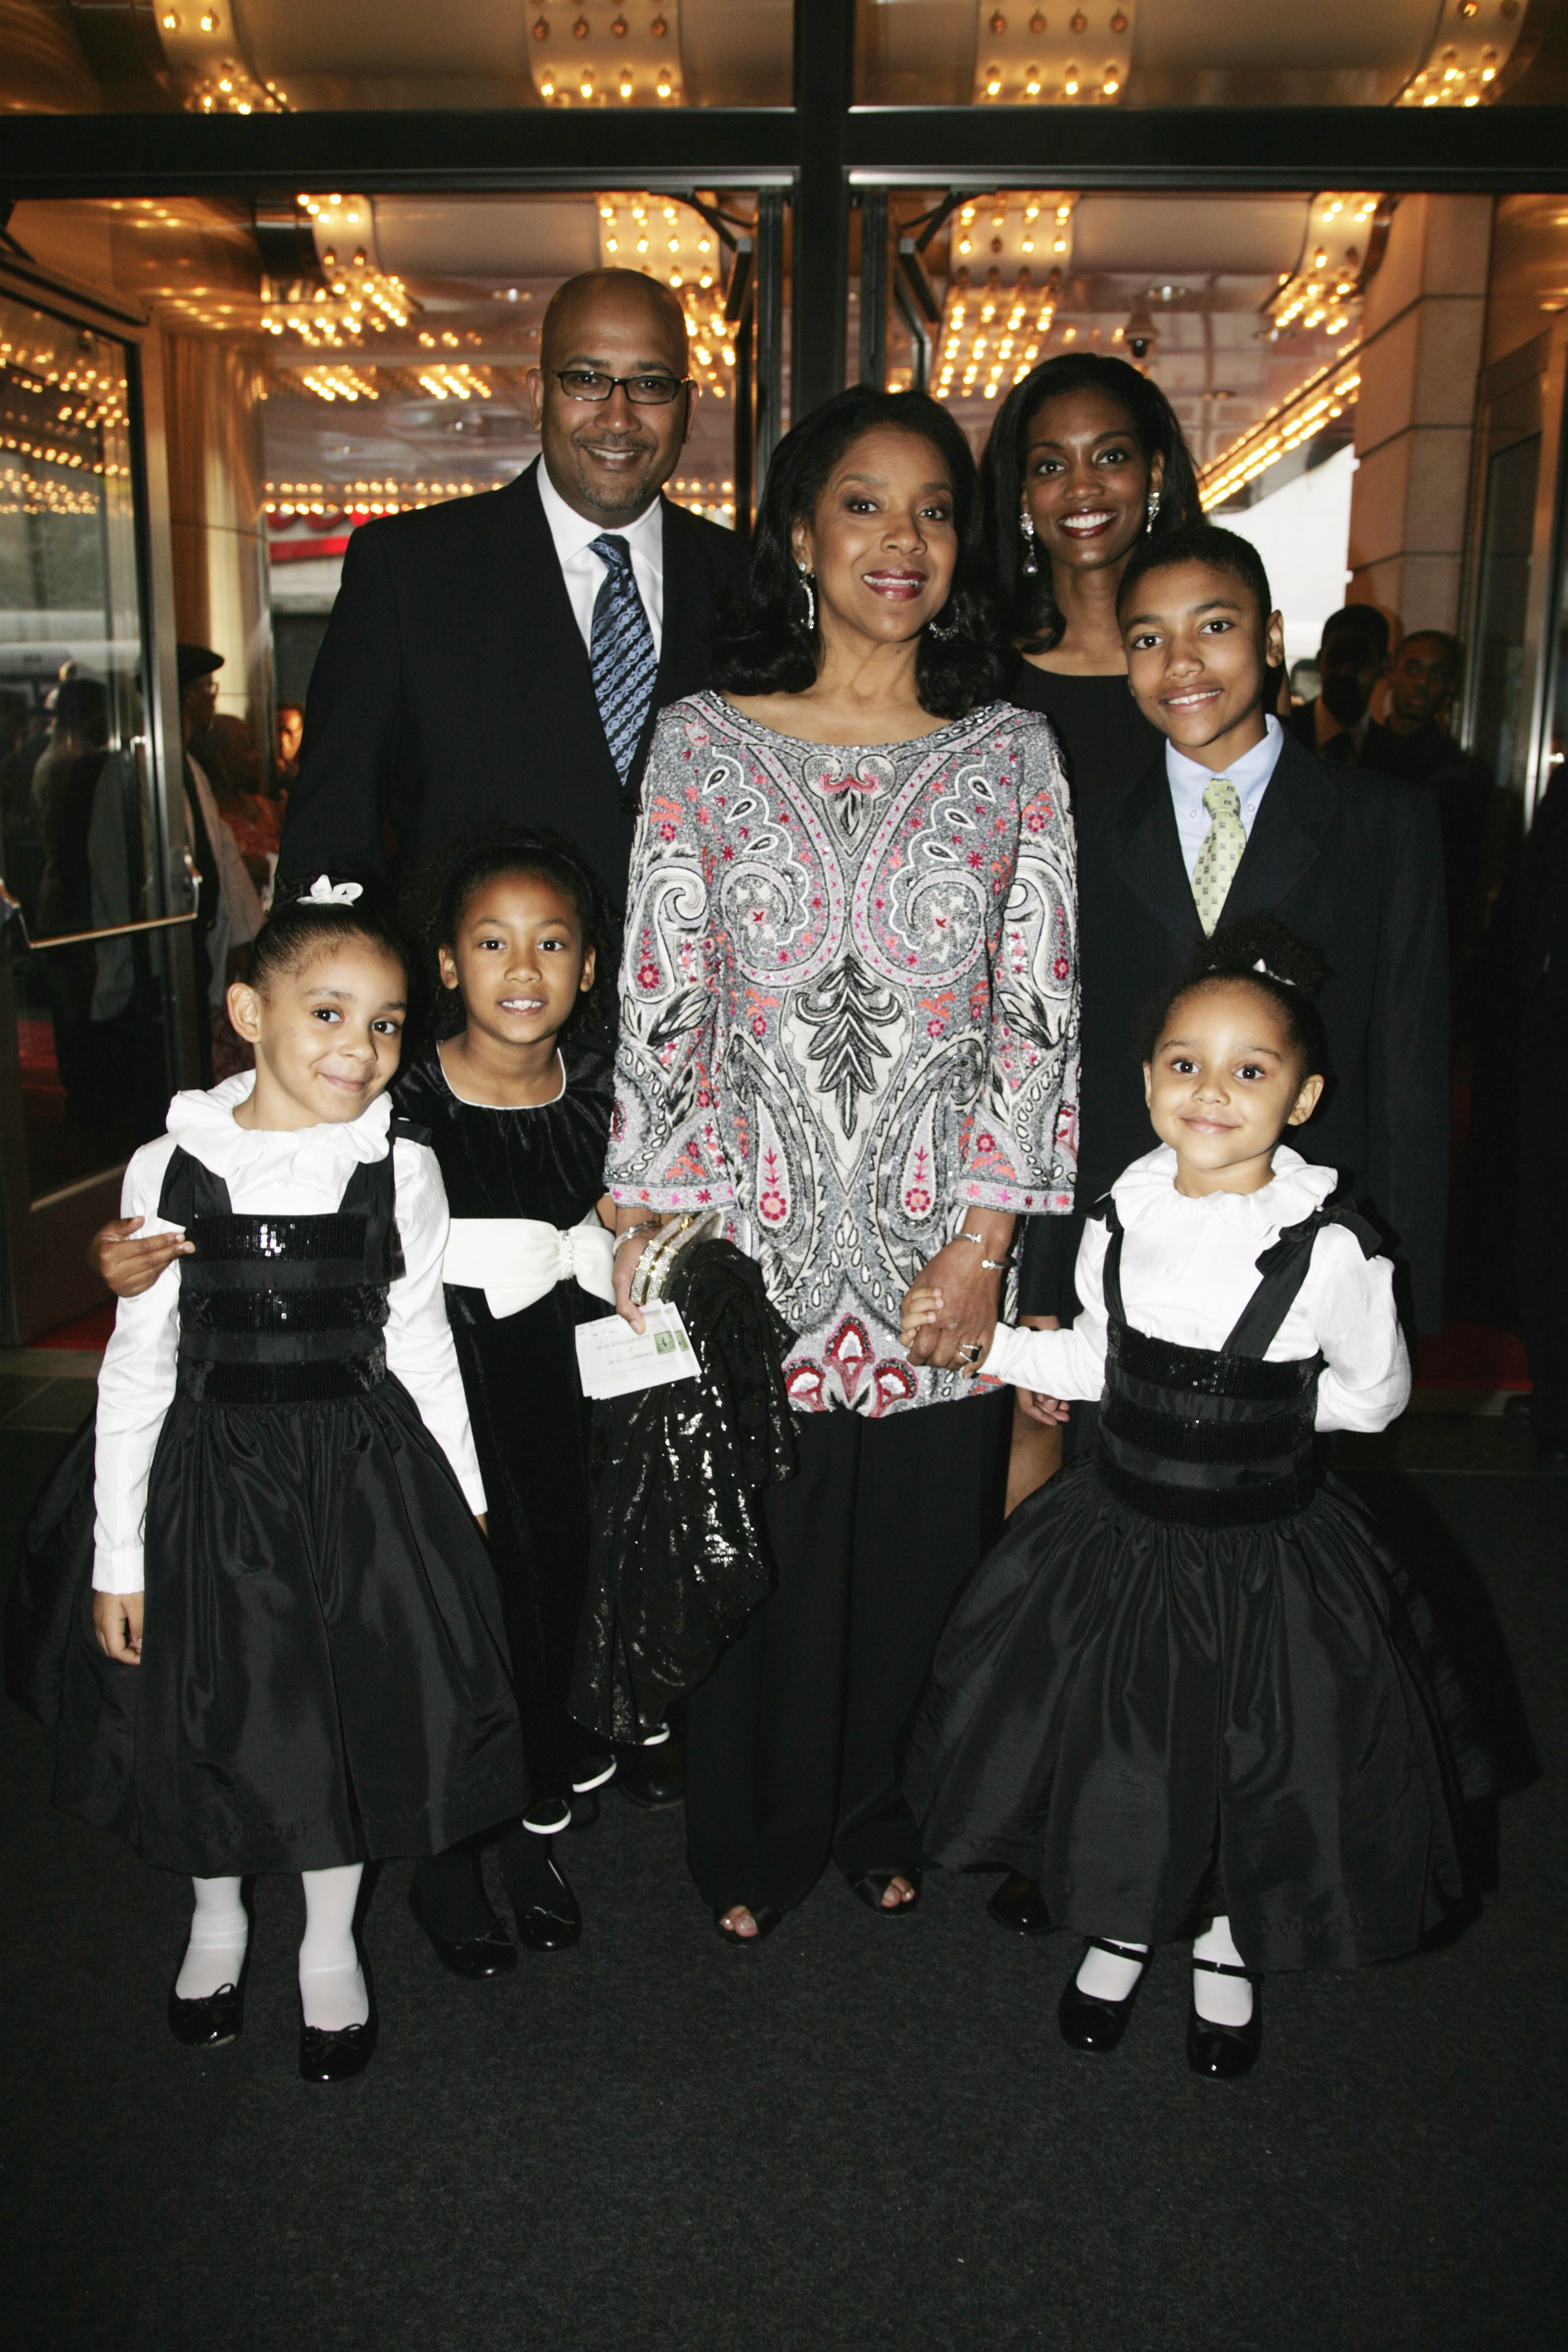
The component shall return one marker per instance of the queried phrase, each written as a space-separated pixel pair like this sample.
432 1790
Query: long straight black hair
1030 614
762 641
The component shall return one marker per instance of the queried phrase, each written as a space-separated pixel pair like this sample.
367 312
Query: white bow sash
516 1260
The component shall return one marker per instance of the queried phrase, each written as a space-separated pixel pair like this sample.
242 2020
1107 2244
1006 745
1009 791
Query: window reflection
75 814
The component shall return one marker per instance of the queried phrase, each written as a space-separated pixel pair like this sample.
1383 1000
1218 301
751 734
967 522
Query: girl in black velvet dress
516 1101
1182 1694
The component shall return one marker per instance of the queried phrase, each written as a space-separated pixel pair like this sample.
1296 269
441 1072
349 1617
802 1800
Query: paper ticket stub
614 1360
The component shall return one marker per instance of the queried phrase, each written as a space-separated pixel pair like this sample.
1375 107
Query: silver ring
973 1353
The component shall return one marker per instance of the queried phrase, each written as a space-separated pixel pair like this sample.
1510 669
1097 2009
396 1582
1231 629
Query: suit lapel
1287 836
1146 849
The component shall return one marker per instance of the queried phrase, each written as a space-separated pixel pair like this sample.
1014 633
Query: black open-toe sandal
1088 2021
874 1884
1224 2053
766 1916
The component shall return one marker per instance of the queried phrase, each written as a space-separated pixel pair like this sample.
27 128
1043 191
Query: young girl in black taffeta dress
290 1658
517 1103
1182 1692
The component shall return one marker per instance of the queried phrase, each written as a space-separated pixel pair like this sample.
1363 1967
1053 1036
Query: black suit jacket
452 688
1353 862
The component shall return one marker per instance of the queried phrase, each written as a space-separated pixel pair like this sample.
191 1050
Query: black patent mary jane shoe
493 1954
553 1924
766 1919
337 2057
1020 1907
1225 2052
1087 2022
209 2023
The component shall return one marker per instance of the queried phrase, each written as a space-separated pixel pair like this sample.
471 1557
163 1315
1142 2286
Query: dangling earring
934 630
1154 511
805 582
1026 526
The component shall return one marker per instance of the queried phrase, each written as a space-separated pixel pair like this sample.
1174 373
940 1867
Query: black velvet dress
323 1678
1184 1682
530 1422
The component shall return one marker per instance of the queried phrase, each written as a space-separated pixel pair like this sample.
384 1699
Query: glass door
86 940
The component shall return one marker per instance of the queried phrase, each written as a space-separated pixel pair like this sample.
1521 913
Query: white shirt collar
573 532
204 1125
1249 773
1297 1188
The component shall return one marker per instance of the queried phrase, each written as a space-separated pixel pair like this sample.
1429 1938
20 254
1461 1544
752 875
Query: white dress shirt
1190 1266
303 1173
581 568
1249 774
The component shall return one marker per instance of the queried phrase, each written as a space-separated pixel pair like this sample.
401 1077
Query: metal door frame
53 1230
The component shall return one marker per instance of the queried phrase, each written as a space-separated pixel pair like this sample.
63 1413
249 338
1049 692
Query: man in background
1412 742
1351 658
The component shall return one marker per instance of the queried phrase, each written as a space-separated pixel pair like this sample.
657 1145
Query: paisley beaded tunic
849 1013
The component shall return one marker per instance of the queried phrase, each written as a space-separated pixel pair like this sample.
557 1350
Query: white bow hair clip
324 892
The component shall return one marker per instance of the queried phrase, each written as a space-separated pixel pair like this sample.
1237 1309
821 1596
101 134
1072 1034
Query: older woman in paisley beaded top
849 1019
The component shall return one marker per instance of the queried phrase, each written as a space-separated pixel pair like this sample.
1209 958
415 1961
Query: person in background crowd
500 659
290 727
226 750
238 902
1412 742
849 1018
1352 657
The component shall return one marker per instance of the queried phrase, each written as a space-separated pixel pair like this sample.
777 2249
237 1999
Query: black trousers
791 1741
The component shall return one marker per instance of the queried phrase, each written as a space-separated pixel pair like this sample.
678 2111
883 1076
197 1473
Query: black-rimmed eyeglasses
642 390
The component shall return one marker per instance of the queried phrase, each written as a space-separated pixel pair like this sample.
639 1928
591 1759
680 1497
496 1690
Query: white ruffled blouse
1190 1266
304 1172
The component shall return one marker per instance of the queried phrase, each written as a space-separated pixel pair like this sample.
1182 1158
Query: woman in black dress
1086 455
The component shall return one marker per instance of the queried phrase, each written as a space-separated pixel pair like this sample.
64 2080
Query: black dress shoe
553 1925
1020 1907
1087 2022
592 1768
1224 2053
874 1884
652 1777
766 1918
207 2023
491 1954
335 2057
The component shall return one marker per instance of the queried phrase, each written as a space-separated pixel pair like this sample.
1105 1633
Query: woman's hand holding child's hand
117 1621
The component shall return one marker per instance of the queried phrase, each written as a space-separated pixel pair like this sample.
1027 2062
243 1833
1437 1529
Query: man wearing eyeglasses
503 658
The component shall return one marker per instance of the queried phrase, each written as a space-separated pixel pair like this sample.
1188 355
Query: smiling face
517 958
1196 651
1223 1084
1087 483
610 458
882 541
327 1034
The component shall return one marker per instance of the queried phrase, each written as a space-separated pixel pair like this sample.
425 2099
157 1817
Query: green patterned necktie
1221 854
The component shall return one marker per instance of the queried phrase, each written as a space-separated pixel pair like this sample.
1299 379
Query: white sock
219 1934
1110 1976
332 1983
1220 2001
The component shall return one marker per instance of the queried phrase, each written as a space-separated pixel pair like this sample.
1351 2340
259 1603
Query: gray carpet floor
867 2134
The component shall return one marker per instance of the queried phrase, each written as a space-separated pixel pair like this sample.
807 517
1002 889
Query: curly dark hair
298 926
441 891
762 643
1032 617
1283 968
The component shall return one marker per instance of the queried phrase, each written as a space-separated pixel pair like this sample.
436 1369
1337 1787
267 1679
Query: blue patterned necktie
621 652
